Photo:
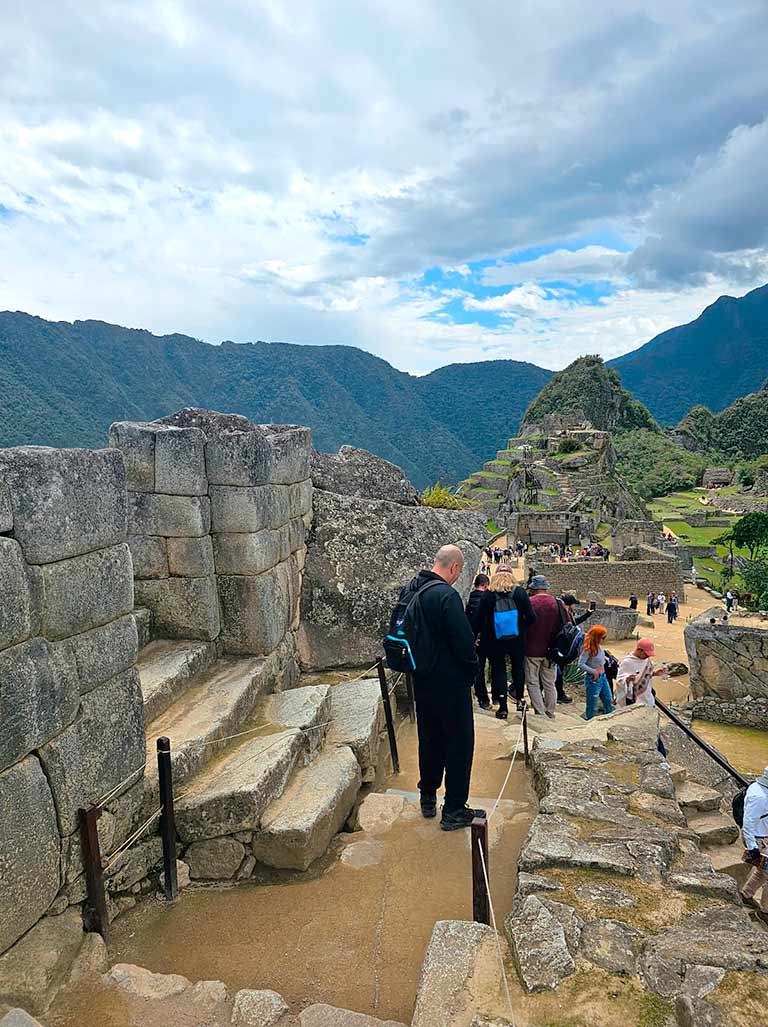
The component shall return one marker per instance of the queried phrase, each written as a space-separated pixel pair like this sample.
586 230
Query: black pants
481 689
561 694
497 657
446 733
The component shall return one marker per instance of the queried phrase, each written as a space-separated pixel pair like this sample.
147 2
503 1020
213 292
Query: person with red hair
592 662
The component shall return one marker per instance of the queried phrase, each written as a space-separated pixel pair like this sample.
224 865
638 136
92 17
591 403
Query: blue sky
433 182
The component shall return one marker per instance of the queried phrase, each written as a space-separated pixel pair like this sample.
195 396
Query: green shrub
568 446
654 465
441 496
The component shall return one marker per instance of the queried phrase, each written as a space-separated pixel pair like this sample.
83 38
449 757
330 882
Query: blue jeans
599 689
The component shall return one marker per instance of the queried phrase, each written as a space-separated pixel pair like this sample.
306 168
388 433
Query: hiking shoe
428 806
501 713
484 705
456 819
550 715
565 699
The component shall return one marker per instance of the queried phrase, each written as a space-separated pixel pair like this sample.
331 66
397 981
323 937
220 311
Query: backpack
567 641
737 806
505 616
408 645
611 666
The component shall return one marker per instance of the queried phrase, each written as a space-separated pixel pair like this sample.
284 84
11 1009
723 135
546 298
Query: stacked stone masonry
71 716
218 510
616 578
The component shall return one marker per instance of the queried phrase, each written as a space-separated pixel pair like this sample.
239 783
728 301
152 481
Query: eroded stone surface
16 595
86 591
141 983
32 971
356 472
103 652
257 1008
612 945
182 607
378 812
321 1015
215 859
459 968
539 946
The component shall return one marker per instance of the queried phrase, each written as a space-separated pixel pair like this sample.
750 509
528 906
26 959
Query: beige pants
540 677
759 877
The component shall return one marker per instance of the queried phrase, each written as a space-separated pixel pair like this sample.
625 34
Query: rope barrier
134 837
509 772
100 803
496 935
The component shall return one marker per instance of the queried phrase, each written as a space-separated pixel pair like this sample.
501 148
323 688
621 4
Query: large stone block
238 458
256 611
99 750
137 444
355 472
149 556
171 516
103 652
251 552
35 969
65 501
251 509
6 510
29 849
190 557
180 462
39 696
16 595
181 607
86 591
291 446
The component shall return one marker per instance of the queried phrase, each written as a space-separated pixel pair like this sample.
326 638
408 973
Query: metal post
167 818
388 715
712 753
96 917
526 749
480 904
411 698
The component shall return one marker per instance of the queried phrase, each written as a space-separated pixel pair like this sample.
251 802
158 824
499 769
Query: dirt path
352 935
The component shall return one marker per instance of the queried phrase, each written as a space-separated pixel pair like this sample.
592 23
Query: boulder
209 995
460 969
17 603
86 591
39 696
91 960
104 652
360 554
321 1015
257 610
19 1018
37 966
141 983
216 859
356 472
252 552
612 945
180 462
257 1008
170 516
182 607
539 946
29 849
190 557
66 502
79 771
149 555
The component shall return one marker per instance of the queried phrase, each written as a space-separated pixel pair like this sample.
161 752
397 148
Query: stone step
727 857
357 717
679 774
220 703
297 828
231 793
714 829
167 668
694 797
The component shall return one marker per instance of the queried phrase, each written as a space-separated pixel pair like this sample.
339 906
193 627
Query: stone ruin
166 586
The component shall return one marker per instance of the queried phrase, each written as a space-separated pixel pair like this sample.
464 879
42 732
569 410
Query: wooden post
480 903
167 818
388 715
96 916
526 750
411 698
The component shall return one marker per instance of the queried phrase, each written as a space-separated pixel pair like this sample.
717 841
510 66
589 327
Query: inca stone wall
729 670
616 578
71 716
633 533
218 510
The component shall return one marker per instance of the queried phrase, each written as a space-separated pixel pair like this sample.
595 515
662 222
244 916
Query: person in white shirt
660 600
634 680
754 831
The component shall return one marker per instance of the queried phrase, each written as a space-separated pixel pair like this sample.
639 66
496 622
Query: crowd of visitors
658 602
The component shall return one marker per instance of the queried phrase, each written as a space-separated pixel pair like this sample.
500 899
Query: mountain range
62 384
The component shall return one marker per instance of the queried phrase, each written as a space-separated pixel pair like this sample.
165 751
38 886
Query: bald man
443 693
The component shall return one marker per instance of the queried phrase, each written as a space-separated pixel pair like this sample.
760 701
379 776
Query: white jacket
755 808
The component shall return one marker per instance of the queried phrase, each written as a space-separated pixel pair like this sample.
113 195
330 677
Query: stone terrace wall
71 716
729 670
218 514
616 578
633 533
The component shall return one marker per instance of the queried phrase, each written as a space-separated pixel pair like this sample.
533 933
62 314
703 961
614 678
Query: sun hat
503 568
763 779
646 645
539 581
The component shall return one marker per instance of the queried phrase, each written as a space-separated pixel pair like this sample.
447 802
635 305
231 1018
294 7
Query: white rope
509 772
114 791
496 933
134 837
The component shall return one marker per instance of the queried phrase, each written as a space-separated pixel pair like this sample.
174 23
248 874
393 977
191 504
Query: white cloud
589 263
529 298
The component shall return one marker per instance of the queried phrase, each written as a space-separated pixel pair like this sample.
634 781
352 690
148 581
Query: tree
749 532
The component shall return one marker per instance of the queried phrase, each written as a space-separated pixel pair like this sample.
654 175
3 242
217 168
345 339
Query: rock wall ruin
616 578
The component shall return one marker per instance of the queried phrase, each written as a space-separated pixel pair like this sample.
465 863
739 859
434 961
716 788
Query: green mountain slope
739 431
63 384
712 361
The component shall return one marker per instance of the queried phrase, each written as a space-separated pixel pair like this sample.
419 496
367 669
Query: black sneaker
484 705
565 699
501 713
428 806
455 820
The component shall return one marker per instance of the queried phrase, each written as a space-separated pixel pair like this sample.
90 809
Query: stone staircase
263 773
703 808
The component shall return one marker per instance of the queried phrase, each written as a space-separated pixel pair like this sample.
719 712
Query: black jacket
472 609
454 641
485 627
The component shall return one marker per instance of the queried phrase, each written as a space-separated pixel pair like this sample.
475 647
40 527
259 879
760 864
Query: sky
434 182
